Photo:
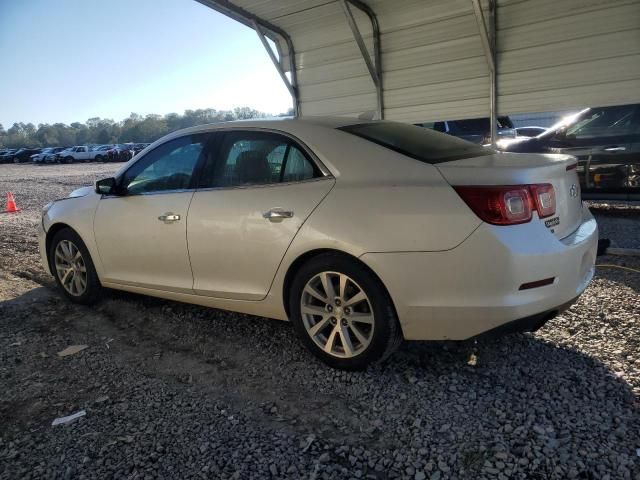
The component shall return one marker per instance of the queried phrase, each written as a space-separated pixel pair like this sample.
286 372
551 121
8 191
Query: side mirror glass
106 186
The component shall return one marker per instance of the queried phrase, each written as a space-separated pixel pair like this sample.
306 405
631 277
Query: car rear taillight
545 197
509 205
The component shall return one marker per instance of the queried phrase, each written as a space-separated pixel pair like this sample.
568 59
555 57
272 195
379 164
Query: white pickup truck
81 153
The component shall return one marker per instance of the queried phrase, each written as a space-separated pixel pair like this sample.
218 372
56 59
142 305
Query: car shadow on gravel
517 395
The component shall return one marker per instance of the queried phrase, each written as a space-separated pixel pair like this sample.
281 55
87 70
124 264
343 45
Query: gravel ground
618 222
179 391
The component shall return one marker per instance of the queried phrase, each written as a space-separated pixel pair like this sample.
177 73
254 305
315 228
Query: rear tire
68 257
355 328
99 158
68 159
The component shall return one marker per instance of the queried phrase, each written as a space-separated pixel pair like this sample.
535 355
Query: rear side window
257 158
420 143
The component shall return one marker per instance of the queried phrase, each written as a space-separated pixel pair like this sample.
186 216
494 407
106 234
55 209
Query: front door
255 197
142 232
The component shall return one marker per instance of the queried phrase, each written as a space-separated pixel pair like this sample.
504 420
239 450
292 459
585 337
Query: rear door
254 197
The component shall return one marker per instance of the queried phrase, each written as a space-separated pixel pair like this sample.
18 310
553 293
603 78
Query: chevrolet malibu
361 233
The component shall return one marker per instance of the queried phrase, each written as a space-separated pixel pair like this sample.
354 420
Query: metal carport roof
425 60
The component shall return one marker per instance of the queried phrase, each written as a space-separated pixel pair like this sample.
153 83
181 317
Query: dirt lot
178 391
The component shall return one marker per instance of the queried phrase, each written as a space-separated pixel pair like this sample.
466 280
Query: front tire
73 268
342 313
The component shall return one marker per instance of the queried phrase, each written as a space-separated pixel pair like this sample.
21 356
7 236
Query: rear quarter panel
382 201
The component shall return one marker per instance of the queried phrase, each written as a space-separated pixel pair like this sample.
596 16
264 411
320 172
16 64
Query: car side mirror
106 186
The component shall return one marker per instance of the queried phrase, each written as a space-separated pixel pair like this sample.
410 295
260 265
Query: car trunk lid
525 169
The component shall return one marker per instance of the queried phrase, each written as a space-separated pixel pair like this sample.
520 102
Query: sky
70 60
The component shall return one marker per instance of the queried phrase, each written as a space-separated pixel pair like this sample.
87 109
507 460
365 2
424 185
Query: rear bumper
475 288
531 323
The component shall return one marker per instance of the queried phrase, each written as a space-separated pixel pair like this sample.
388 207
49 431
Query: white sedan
361 233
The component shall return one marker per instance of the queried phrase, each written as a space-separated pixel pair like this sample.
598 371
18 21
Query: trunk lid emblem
573 191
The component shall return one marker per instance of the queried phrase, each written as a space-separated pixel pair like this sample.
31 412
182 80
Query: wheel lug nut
347 310
329 308
333 321
338 302
344 322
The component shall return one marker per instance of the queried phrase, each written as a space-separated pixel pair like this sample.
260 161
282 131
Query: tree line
135 128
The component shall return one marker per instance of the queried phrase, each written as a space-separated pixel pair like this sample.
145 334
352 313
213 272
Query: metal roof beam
276 63
373 65
269 30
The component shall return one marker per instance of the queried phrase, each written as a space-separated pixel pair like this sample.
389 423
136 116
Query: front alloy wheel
337 314
71 268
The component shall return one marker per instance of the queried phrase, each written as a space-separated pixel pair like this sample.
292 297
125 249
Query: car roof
279 123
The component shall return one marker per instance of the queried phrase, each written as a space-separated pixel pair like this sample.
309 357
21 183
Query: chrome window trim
326 173
263 185
155 192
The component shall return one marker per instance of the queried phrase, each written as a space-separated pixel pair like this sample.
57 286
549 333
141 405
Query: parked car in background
475 130
39 157
7 156
101 152
414 234
606 142
138 147
121 152
52 157
23 154
529 131
80 153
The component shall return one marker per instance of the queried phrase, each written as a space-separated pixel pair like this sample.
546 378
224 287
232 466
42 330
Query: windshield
416 142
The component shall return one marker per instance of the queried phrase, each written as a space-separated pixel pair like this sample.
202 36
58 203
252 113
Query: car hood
81 192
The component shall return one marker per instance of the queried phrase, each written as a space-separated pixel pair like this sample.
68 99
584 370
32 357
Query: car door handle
615 148
169 217
277 214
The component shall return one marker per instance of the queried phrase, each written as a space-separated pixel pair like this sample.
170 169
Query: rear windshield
420 143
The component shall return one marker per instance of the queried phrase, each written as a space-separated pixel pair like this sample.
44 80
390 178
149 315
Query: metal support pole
488 38
374 66
276 63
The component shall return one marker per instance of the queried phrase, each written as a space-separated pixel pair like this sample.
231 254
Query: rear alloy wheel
73 268
339 322
342 312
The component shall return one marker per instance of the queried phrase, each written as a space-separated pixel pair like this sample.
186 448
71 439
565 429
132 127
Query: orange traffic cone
11 204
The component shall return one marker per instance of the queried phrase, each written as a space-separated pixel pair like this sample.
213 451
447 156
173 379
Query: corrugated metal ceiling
551 55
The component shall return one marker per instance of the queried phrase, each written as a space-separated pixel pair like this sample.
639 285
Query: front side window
422 144
168 167
258 158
